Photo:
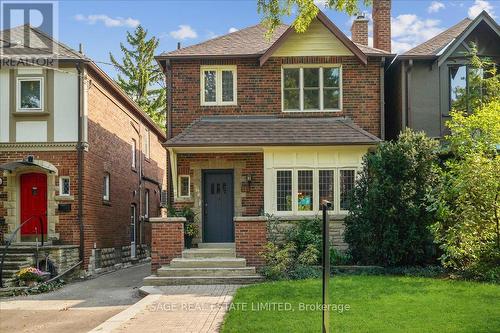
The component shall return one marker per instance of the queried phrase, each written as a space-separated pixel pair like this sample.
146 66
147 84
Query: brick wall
167 243
359 31
112 127
250 238
259 90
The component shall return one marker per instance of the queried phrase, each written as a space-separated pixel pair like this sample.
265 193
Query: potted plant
191 231
30 276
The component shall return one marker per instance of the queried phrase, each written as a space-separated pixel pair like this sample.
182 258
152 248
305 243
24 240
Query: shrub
279 260
30 274
304 233
388 223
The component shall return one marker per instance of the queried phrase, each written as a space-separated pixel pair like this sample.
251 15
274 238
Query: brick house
77 153
274 126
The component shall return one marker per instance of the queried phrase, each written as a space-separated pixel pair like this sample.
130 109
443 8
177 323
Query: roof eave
278 144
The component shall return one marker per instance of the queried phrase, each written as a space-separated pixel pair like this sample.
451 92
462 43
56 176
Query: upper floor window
312 88
465 84
146 203
146 144
134 148
218 85
30 94
105 195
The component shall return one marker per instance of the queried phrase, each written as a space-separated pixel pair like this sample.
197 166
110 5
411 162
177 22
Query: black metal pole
326 265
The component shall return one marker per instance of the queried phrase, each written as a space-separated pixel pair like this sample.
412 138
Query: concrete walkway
174 309
76 307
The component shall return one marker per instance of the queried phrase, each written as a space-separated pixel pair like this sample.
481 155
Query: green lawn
376 304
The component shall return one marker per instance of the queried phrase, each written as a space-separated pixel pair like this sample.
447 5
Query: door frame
19 200
204 173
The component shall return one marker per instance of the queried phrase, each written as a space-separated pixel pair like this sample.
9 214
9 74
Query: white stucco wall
66 106
4 105
31 131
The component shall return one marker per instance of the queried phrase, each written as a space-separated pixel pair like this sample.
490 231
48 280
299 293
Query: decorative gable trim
449 49
330 26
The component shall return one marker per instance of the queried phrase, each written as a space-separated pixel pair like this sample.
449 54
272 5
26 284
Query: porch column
250 236
167 240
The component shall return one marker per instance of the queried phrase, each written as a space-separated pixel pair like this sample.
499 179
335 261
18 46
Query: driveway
77 307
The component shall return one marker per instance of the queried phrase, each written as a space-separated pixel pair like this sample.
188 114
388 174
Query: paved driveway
77 307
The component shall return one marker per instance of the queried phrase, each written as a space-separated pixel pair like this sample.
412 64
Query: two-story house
82 165
426 82
274 126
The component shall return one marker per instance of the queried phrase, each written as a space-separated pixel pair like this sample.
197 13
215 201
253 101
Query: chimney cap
361 17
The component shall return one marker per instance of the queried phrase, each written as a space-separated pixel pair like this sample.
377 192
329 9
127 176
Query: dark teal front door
218 211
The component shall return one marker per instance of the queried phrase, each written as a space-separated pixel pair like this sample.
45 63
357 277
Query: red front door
33 203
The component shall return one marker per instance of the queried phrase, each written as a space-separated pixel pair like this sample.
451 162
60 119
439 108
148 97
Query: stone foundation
167 240
111 258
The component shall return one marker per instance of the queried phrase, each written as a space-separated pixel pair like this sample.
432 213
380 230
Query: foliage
483 83
139 76
467 205
279 260
388 221
377 304
305 233
191 227
30 274
306 10
339 258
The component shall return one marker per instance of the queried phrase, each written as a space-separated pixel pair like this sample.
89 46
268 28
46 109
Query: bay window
218 85
310 187
312 88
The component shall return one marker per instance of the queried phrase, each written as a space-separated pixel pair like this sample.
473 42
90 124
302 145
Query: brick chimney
382 24
359 30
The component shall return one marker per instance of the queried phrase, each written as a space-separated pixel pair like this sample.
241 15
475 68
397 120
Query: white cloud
320 3
211 35
479 6
435 7
409 30
109 22
184 32
232 29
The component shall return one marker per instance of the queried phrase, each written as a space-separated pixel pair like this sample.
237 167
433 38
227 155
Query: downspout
80 148
382 98
139 210
170 188
408 94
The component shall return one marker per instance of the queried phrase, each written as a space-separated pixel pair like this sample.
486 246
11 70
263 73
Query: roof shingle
218 131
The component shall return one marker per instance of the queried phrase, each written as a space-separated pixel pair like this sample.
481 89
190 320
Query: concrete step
208 272
17 256
216 245
9 273
28 250
209 253
208 263
16 264
154 280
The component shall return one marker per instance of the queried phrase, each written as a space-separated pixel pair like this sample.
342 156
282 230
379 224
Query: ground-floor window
303 190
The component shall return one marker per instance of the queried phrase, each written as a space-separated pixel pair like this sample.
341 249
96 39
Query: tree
468 204
388 221
274 10
139 75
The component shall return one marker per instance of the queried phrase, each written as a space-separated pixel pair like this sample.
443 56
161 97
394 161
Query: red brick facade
382 24
250 238
167 243
359 31
259 90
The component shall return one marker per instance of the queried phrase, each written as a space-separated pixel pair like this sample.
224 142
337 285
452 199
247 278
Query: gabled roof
224 131
251 42
441 43
13 47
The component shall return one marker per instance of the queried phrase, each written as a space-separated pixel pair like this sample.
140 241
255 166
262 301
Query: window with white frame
106 180
64 186
146 144
134 149
184 186
312 88
146 203
30 94
310 187
218 85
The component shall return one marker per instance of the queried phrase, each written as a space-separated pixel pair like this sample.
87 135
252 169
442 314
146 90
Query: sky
101 25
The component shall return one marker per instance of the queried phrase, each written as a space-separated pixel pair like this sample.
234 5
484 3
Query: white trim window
64 186
147 144
184 185
311 88
146 203
30 94
134 152
106 187
218 85
301 191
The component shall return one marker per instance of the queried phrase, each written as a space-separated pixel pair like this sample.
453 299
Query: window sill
312 111
133 169
106 202
225 104
298 217
30 114
183 200
64 198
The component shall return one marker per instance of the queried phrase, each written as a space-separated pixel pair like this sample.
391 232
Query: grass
376 304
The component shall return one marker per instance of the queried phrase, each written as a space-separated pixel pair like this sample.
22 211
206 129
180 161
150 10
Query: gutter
80 148
408 93
382 98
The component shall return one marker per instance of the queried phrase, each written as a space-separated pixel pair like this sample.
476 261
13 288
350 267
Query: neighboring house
76 152
424 83
273 126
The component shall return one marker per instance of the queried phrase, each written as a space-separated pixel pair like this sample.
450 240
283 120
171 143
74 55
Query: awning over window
13 166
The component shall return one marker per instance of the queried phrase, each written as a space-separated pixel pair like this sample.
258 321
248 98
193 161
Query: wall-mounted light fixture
249 179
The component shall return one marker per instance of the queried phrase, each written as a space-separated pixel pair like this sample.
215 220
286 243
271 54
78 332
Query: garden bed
367 304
